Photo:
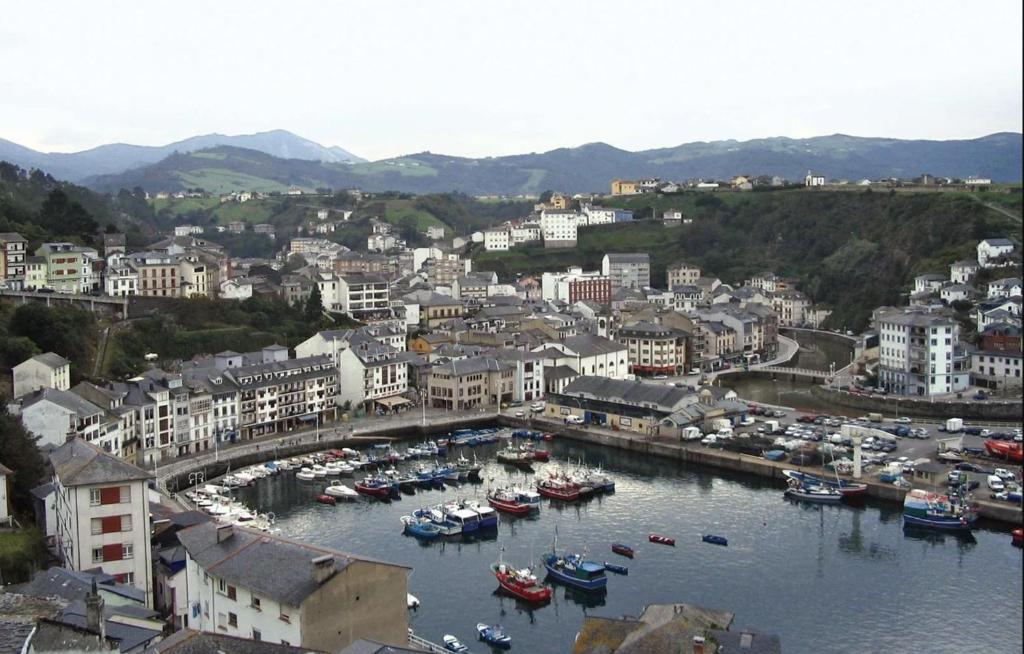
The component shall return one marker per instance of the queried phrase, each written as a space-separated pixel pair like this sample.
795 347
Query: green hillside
851 251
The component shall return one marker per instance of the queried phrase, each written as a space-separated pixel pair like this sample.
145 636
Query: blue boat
714 540
436 517
937 511
572 570
494 635
616 568
421 528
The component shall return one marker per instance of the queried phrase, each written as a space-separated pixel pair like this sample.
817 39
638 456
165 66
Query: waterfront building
654 349
529 372
587 354
102 514
920 353
372 374
996 369
264 587
790 307
627 270
467 383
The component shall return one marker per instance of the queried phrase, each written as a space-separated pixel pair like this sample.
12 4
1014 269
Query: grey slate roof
77 463
634 393
277 567
559 372
18 616
628 257
364 646
587 345
644 329
471 365
998 241
70 401
188 641
50 359
128 636
71 585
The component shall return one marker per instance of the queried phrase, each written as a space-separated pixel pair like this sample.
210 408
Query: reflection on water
783 569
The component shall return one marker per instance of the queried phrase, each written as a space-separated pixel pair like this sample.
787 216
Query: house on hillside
814 180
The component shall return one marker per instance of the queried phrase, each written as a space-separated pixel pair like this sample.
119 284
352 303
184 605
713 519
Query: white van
573 420
995 484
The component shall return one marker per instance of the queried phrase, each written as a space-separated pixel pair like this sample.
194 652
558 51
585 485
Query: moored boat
573 570
305 475
421 528
714 540
325 499
663 540
507 500
557 489
624 550
845 487
616 568
453 644
521 583
374 488
1017 537
340 491
937 511
494 635
515 457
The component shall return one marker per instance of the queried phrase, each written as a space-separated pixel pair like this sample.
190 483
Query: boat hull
570 495
623 550
945 524
512 508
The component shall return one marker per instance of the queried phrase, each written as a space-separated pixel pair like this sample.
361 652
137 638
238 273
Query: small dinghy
624 550
617 569
452 644
663 540
326 499
494 635
714 540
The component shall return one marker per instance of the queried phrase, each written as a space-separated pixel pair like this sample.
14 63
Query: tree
314 305
20 453
294 262
545 197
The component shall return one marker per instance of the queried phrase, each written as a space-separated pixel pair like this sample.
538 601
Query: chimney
224 532
94 612
698 645
323 568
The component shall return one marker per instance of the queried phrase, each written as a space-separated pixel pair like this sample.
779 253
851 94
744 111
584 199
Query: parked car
1004 474
573 420
537 407
515 403
995 484
520 414
903 420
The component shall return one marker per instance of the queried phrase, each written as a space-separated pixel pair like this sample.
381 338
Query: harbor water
825 578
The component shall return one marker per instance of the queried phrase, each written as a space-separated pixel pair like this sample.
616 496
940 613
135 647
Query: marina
804 552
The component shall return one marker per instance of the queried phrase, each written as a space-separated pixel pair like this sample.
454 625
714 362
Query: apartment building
919 353
497 239
627 270
526 232
263 587
433 308
654 349
13 250
462 384
47 370
120 280
575 285
102 514
372 375
529 372
54 415
363 296
559 227
64 265
159 274
682 274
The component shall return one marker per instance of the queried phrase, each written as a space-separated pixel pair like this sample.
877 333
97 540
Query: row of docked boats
454 518
572 485
806 487
215 500
522 456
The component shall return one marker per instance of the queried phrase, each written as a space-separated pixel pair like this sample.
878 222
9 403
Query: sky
477 78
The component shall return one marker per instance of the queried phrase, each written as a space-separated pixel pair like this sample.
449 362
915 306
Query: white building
918 353
525 233
991 252
598 215
47 370
559 227
588 354
682 274
962 272
996 369
956 293
362 295
498 239
253 585
435 232
1004 288
5 507
814 179
372 375
929 283
102 511
120 280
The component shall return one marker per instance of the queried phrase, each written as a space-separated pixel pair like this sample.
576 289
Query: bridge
116 306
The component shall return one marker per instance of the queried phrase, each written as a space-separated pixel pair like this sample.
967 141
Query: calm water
827 579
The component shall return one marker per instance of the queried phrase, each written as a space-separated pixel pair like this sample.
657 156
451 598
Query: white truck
771 426
954 425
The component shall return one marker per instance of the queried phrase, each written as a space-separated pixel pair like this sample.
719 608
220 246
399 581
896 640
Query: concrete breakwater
999 410
742 463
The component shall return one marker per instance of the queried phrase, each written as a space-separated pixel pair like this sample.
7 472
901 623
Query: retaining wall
986 410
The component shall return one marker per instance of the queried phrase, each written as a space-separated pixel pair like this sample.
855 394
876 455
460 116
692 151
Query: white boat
341 491
305 475
453 644
333 469
411 601
349 452
318 470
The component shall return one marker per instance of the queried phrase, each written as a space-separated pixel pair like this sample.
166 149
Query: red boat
326 499
520 583
1018 537
558 490
624 550
664 540
507 501
549 437
382 492
1008 450
541 455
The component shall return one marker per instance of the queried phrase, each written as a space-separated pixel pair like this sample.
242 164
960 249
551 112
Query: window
97 555
232 593
284 617
94 497
256 635
256 603
232 620
127 551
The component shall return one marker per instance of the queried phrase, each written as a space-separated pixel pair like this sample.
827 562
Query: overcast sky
486 77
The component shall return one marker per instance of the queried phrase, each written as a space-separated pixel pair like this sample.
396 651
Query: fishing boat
374 487
714 540
421 528
453 644
846 488
507 500
529 497
326 499
515 457
572 570
948 512
488 517
437 517
810 493
624 550
494 635
616 568
557 489
340 491
663 540
1009 450
521 583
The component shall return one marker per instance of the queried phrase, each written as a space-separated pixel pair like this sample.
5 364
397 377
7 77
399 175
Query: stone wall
968 410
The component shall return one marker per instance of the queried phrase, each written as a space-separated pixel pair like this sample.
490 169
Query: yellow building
625 187
560 201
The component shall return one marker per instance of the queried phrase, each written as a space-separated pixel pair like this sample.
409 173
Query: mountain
117 158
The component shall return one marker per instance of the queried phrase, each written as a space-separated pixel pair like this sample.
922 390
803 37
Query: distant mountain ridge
116 158
284 159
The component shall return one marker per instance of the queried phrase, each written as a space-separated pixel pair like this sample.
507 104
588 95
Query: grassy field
253 211
221 180
406 167
178 206
398 210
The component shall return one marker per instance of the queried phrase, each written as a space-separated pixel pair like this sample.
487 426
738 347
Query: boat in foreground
572 570
847 488
421 528
521 583
616 568
624 550
937 511
494 635
714 540
507 500
809 493
453 644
